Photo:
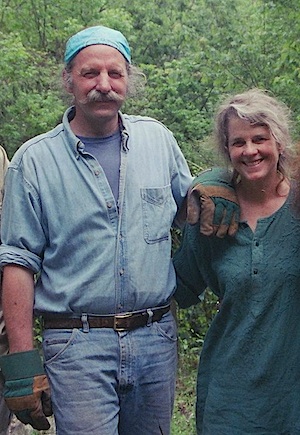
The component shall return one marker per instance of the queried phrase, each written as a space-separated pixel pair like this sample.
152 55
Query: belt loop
85 323
150 316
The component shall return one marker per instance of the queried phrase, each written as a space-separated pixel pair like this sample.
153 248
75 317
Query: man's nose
103 83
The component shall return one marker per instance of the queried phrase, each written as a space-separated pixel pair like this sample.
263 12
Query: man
88 209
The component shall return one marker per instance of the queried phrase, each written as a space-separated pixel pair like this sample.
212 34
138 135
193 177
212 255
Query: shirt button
256 243
122 271
109 205
255 271
97 173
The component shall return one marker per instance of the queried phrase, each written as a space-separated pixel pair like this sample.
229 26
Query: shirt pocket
158 208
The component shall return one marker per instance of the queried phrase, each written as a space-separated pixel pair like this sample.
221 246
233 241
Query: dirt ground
17 428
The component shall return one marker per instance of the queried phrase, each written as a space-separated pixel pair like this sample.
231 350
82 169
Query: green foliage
38 329
193 323
30 99
193 54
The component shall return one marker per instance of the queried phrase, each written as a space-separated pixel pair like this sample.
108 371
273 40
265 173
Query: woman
249 371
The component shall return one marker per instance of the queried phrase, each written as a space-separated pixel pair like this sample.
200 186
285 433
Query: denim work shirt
60 219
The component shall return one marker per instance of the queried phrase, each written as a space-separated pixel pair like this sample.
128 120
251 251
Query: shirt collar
75 142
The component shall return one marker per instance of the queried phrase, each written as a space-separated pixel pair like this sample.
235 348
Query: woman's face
252 149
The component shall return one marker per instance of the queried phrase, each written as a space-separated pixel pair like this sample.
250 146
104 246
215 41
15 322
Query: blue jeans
108 383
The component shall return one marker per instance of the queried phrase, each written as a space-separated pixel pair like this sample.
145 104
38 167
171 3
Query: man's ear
67 81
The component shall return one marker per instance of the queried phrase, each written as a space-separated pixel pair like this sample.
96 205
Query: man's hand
26 389
213 201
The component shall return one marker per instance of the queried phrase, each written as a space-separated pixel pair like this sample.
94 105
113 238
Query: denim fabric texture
94 255
122 383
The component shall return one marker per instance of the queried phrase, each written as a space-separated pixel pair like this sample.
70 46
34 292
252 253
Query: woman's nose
250 147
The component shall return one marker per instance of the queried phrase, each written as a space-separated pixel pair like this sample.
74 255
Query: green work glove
213 201
26 388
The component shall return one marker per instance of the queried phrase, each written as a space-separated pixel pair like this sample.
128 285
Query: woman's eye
238 143
259 139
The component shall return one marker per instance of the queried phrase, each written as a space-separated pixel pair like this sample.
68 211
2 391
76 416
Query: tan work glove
26 388
212 201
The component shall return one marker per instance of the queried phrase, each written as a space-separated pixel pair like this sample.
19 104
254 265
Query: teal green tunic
249 371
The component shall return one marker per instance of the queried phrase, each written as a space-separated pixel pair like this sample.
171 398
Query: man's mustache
96 96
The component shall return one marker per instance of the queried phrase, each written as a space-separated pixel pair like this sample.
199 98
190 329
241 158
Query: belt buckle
119 317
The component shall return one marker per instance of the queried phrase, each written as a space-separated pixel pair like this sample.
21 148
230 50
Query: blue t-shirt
107 151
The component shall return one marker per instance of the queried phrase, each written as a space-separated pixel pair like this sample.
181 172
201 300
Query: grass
183 421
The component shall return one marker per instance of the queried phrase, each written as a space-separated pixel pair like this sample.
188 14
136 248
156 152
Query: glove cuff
215 191
21 364
215 177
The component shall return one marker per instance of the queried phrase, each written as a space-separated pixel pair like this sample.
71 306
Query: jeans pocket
56 343
167 327
158 208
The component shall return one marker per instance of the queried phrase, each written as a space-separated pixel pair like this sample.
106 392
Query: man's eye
90 74
115 74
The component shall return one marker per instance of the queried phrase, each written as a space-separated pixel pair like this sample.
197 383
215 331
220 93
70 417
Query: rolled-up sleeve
22 234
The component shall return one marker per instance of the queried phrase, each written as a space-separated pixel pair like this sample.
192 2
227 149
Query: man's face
99 82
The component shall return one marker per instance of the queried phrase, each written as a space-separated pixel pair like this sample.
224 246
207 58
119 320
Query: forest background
193 53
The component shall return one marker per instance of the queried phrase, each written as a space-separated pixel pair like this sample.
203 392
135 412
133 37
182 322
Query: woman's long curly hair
257 107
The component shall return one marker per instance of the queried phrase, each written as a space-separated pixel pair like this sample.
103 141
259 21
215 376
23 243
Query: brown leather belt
119 322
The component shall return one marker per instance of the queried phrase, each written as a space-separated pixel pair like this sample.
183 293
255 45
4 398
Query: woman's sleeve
188 262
